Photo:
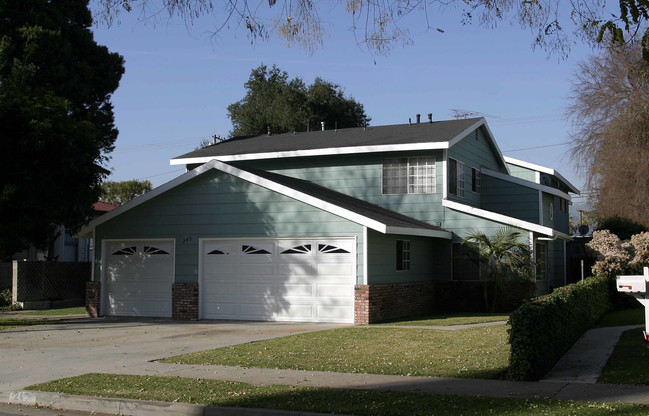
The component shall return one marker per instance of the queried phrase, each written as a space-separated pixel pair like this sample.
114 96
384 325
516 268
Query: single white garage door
138 277
302 280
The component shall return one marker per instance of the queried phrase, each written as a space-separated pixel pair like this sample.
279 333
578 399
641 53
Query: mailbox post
636 286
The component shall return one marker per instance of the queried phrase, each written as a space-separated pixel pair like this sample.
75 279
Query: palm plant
505 252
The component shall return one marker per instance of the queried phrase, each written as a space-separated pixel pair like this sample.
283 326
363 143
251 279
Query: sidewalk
572 379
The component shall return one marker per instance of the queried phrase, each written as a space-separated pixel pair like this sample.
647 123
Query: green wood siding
522 173
474 151
430 259
510 199
218 205
361 176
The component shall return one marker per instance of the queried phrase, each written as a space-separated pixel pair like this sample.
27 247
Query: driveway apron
30 355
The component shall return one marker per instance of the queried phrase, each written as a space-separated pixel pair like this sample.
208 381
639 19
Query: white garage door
138 277
309 280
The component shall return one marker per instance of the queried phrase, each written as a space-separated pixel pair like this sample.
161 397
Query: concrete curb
128 407
100 404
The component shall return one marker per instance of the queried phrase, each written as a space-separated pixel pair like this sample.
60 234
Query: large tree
380 25
56 118
275 103
610 109
119 193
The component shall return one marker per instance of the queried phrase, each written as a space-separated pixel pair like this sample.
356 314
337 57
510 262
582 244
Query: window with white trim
403 255
414 175
455 177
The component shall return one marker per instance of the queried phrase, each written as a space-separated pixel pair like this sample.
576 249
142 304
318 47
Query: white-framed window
403 255
413 175
476 180
455 177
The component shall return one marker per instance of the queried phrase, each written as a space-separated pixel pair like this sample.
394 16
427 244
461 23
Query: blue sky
179 82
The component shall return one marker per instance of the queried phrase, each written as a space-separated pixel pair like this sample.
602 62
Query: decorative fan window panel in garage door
309 280
138 277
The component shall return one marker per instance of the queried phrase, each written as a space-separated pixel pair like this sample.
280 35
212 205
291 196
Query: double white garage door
253 279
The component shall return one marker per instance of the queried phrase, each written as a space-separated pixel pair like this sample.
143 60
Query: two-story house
319 226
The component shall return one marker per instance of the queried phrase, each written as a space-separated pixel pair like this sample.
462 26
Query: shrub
543 329
5 298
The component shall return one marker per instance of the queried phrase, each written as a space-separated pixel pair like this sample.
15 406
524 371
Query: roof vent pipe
430 117
418 118
322 123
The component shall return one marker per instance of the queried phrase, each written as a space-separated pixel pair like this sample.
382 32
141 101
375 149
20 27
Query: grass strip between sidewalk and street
324 400
481 352
12 323
629 361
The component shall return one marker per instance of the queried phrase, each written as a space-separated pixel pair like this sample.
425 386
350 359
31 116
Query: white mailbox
636 286
631 284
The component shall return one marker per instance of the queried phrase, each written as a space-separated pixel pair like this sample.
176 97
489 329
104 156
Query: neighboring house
66 247
324 226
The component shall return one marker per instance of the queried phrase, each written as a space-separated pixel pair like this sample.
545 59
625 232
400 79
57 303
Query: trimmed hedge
543 329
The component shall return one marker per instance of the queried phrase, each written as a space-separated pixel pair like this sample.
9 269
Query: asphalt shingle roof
437 131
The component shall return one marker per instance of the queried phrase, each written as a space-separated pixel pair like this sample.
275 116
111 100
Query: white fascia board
481 123
504 219
315 152
523 182
144 198
542 169
423 232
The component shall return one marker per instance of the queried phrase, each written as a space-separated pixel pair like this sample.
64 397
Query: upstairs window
414 175
455 177
476 180
563 205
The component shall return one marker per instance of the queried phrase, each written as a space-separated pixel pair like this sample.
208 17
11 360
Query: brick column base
376 303
184 301
93 298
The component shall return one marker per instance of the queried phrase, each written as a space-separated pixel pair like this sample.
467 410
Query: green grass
622 317
473 353
59 312
322 400
450 319
629 361
11 323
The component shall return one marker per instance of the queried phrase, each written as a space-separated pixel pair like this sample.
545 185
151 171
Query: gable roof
345 206
399 137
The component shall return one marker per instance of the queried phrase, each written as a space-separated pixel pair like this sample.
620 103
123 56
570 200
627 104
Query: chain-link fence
5 275
43 280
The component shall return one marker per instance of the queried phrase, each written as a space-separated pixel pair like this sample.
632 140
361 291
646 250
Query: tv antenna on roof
459 113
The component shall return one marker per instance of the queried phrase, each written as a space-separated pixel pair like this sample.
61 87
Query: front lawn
481 352
81 310
451 319
321 400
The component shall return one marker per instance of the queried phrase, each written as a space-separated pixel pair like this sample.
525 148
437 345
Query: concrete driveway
36 354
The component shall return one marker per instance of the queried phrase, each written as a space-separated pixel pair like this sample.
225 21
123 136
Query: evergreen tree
56 117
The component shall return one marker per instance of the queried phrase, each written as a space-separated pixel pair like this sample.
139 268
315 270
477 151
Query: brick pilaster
184 301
